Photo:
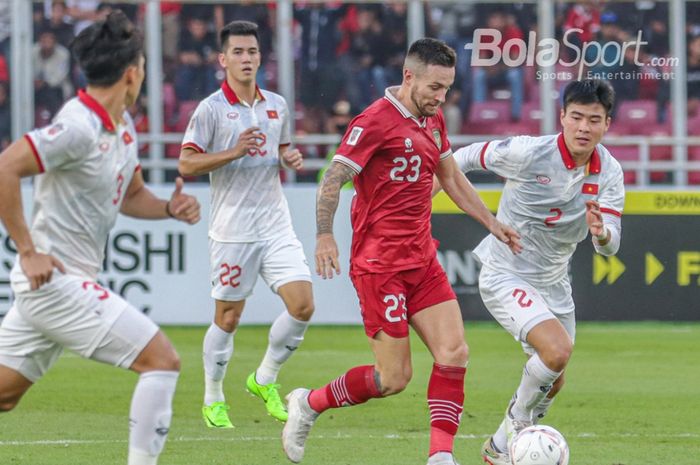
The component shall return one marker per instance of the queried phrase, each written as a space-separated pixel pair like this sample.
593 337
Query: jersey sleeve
286 134
61 143
612 195
505 158
445 146
360 142
200 129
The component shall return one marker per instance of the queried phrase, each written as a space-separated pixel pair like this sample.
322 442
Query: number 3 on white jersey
406 169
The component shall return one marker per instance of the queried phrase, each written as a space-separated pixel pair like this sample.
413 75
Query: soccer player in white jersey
86 171
240 135
558 189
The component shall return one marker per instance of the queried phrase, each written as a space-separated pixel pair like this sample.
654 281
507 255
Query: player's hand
38 268
293 159
594 218
183 207
507 235
249 139
326 256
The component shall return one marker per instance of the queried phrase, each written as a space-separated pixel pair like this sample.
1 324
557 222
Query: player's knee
557 357
302 311
228 321
456 354
395 382
8 403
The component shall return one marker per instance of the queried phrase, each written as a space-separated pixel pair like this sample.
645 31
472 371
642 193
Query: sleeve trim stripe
482 155
610 211
138 168
36 153
192 145
445 154
346 161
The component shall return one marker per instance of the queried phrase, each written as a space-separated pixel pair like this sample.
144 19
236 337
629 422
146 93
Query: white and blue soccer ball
539 445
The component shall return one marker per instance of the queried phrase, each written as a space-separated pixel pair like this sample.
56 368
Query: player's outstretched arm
326 205
195 163
140 202
16 162
461 191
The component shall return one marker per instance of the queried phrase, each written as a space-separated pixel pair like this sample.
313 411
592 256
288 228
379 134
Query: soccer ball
539 445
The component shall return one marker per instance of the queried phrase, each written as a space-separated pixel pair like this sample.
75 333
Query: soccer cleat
269 393
513 426
492 456
442 458
296 430
216 416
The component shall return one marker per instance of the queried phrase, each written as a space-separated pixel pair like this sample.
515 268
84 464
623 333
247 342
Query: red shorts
389 300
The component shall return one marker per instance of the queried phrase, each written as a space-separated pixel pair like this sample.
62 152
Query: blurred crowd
346 55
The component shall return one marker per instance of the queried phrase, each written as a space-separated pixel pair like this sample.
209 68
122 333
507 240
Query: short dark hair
590 91
237 28
106 48
433 52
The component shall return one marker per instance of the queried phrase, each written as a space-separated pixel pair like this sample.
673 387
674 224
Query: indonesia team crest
438 139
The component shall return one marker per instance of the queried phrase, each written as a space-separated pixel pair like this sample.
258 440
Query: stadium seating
694 155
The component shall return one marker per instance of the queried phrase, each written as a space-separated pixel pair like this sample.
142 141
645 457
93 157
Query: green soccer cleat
216 416
270 395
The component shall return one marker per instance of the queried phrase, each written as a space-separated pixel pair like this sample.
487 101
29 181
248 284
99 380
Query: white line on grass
66 442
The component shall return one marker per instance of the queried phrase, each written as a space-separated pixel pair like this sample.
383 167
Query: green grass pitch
632 398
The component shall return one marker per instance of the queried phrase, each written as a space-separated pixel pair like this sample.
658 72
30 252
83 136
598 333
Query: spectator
693 76
586 17
500 74
5 118
4 72
365 47
322 81
83 13
196 76
51 64
5 28
57 23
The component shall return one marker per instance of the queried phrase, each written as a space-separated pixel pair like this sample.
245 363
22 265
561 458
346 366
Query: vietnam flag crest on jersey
589 188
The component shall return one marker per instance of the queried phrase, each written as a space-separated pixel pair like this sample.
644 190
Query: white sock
218 349
150 414
534 386
500 438
286 334
541 409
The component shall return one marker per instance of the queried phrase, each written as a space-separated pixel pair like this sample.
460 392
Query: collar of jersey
87 100
593 166
388 94
233 98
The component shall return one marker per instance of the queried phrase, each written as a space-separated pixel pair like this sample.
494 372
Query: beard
422 109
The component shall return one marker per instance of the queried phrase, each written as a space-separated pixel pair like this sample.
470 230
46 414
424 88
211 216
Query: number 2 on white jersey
406 169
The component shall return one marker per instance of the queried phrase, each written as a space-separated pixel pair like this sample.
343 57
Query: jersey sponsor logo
590 188
438 139
126 137
104 147
355 135
54 129
409 144
232 115
542 179
272 114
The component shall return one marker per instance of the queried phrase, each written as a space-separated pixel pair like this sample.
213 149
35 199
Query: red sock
445 399
357 386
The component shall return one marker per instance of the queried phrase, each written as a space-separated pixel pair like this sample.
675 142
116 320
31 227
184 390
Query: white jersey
544 200
247 203
87 165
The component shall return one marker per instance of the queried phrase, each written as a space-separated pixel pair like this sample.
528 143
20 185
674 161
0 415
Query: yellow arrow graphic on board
653 268
611 267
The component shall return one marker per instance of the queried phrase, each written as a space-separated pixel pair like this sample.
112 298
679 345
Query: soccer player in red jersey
391 151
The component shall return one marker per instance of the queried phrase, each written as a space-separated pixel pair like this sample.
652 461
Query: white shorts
76 314
235 266
518 306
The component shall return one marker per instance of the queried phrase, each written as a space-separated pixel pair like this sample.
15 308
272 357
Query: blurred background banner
162 267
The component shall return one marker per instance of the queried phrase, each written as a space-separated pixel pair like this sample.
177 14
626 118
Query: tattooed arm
326 205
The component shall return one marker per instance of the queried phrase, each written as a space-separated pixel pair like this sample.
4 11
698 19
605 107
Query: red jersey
395 156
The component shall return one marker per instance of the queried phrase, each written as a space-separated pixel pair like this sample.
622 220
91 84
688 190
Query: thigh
234 269
441 329
514 303
24 350
382 303
283 262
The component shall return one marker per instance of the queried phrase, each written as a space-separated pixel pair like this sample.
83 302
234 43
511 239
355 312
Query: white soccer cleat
442 458
492 456
513 426
299 422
